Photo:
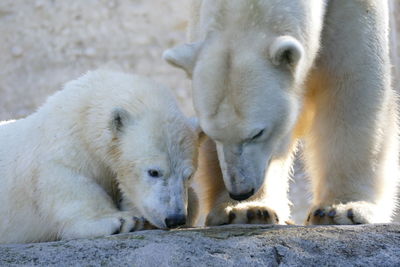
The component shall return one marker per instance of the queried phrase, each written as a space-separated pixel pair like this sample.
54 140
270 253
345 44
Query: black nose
242 196
175 220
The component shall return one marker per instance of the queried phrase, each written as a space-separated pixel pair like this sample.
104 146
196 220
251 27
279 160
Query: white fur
60 167
337 97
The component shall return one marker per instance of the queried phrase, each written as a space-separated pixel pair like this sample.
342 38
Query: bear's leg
193 208
80 208
352 148
269 206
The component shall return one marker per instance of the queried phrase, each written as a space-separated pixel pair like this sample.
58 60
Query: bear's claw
242 214
349 213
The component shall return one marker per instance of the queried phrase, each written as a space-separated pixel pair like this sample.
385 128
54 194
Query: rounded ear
286 50
119 119
194 123
183 56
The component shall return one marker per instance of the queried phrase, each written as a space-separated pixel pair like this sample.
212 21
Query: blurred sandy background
44 43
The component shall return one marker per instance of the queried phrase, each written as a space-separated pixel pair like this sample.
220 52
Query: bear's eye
154 173
259 134
188 177
188 174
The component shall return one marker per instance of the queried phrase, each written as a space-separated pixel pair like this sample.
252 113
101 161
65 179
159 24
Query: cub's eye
154 173
259 134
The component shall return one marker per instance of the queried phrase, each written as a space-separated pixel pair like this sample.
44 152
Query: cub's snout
175 220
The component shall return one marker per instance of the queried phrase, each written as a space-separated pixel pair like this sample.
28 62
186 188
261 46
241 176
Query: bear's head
136 128
247 74
157 156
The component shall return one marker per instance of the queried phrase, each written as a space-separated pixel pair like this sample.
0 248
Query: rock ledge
240 245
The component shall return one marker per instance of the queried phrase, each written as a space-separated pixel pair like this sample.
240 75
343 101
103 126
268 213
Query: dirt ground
45 43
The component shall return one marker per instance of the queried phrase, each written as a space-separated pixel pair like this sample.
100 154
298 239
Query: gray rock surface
364 245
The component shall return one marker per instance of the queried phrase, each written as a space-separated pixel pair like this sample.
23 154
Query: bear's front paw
120 222
130 223
133 223
242 213
359 212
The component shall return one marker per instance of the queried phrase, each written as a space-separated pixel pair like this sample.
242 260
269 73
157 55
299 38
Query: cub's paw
350 213
120 222
242 213
129 223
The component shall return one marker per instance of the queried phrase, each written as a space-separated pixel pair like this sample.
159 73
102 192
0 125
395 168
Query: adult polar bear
266 73
60 167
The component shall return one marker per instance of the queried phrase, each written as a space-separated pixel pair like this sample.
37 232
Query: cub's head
153 151
246 93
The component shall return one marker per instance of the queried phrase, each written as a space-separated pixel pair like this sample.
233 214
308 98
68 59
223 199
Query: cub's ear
286 50
119 119
194 123
183 56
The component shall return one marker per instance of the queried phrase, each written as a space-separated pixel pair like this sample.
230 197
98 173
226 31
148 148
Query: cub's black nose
175 220
242 196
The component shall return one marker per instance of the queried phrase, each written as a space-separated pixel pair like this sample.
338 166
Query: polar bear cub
62 167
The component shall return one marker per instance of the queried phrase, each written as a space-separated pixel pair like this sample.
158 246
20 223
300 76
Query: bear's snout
175 220
241 197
